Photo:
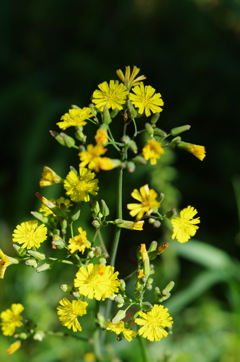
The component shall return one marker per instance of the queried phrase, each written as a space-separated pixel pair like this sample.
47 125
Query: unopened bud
139 160
121 314
93 109
31 262
159 132
37 255
68 141
175 141
177 130
79 134
66 288
96 224
132 111
130 166
119 299
114 113
95 208
155 117
149 129
44 267
20 251
106 115
104 209
170 213
38 336
153 246
76 212
39 217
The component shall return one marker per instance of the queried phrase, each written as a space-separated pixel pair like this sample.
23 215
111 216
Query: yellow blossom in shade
145 100
196 150
129 79
141 274
4 263
97 281
75 117
101 136
91 156
112 95
89 357
49 177
184 226
11 318
79 242
154 322
59 203
152 151
148 202
79 187
120 328
29 234
69 311
14 347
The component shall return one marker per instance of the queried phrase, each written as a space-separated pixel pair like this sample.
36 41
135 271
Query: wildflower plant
59 220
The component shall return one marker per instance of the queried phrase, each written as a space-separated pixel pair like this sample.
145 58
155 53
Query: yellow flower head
11 319
49 177
4 263
14 347
79 187
79 242
29 234
148 202
184 226
89 357
92 156
97 281
69 311
145 100
112 95
154 322
101 136
106 164
152 151
141 274
130 79
196 150
75 117
59 203
120 328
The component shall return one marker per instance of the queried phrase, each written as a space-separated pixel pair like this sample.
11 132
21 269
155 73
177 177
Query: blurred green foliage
54 54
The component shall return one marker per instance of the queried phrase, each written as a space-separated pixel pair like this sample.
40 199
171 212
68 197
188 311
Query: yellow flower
145 99
79 242
131 225
69 311
92 156
14 347
101 136
141 274
112 95
11 319
120 328
153 323
196 150
152 151
184 226
106 164
148 204
59 203
75 117
97 281
4 263
49 177
29 234
79 187
130 79
89 357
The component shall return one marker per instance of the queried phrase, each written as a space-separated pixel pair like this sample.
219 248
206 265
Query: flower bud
76 212
44 267
159 132
121 314
122 285
68 141
149 287
170 286
149 129
114 113
155 117
38 336
170 213
93 109
175 141
66 288
130 166
104 209
21 252
106 115
119 299
57 137
96 224
31 262
126 139
139 160
177 130
39 217
79 134
153 246
132 111
156 224
95 208
37 255
133 146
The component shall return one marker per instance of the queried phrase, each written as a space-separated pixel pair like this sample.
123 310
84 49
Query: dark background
55 53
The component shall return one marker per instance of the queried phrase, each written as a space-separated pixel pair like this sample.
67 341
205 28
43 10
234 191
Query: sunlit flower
145 100
101 136
79 242
75 117
120 328
29 234
196 150
91 156
62 202
49 177
184 226
112 95
69 311
11 319
14 347
130 79
97 281
131 225
148 204
152 151
79 187
4 263
154 322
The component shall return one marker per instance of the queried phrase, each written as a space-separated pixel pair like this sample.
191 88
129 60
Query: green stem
143 349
